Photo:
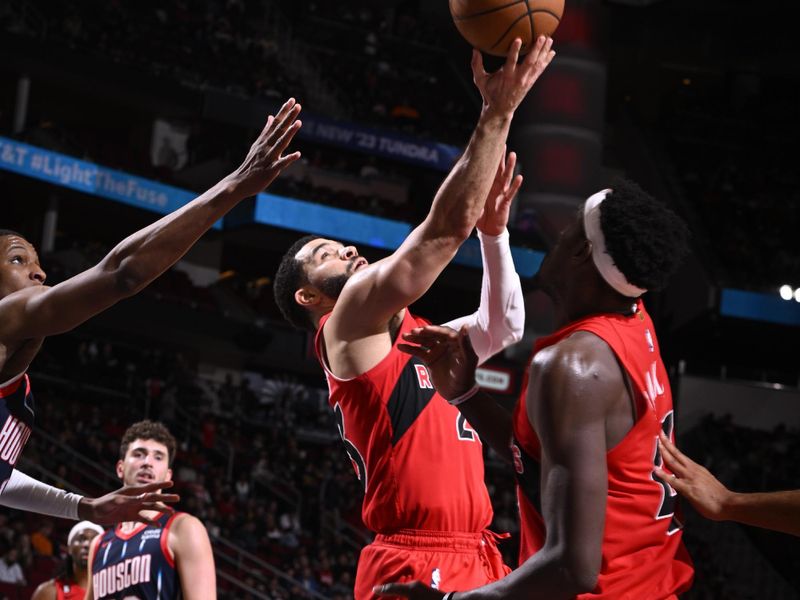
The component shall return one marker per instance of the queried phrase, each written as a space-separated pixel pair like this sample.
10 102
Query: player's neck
128 526
81 577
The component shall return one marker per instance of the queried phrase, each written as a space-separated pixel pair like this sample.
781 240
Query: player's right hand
265 160
504 90
448 354
127 504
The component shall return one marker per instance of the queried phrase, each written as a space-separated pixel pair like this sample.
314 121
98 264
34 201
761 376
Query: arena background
114 112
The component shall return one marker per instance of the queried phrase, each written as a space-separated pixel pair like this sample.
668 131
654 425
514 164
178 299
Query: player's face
19 265
79 548
145 461
556 267
330 264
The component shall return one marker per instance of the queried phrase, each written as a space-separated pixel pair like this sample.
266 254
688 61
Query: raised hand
504 90
126 504
265 160
494 218
449 356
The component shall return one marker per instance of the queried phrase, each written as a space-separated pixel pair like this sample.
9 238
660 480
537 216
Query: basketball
491 25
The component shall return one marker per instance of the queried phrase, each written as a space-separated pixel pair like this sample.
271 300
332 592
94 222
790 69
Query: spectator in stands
41 539
10 569
773 510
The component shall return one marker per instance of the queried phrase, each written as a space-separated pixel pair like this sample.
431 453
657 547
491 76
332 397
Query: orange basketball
491 25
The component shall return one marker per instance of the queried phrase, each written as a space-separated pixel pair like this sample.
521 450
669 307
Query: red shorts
445 560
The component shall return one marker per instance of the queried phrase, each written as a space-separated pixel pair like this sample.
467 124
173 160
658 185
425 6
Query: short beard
333 286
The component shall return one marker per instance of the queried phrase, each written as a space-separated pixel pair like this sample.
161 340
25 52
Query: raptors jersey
136 565
68 590
420 463
643 555
16 421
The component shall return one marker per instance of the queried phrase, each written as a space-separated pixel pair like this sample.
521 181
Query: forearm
146 254
460 199
500 318
25 493
491 421
544 576
775 510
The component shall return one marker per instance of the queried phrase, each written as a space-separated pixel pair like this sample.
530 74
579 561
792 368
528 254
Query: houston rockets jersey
418 460
136 565
643 555
16 422
68 590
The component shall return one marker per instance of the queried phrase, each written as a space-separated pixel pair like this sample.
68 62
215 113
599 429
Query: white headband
602 259
82 526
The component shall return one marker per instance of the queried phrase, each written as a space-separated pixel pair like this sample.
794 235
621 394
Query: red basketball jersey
419 461
68 590
643 555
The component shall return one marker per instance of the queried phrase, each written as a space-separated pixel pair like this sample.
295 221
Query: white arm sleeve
500 318
26 493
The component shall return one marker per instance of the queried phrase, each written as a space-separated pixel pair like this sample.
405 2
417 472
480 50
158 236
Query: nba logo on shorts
436 578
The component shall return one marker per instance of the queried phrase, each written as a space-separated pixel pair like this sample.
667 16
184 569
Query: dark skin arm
485 415
575 384
779 511
40 311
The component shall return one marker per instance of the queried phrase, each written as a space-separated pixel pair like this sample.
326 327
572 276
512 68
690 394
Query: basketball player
771 510
596 520
31 311
166 559
419 462
72 584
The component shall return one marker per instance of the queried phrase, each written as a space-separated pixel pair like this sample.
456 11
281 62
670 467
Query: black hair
5 232
646 240
291 276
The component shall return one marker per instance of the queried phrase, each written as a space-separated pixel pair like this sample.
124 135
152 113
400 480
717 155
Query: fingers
513 56
393 589
281 124
679 485
508 169
673 460
513 189
286 138
155 486
285 161
270 119
479 74
169 498
535 53
420 352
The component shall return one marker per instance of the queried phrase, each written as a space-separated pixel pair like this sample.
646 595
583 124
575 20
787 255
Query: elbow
127 280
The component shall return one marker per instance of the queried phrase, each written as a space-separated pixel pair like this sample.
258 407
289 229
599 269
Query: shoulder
580 357
185 529
45 591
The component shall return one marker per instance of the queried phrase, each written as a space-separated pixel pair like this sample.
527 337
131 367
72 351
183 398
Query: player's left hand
414 590
127 503
448 354
494 218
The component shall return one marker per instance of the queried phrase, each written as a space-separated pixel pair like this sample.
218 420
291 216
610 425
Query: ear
169 475
307 296
583 251
120 469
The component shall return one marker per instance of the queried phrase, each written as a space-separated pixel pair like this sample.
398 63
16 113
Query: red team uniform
68 590
643 555
421 467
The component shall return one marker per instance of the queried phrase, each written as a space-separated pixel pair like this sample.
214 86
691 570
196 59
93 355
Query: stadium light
786 292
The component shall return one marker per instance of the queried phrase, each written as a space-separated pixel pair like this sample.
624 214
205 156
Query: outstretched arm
41 311
500 318
374 295
779 511
26 493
